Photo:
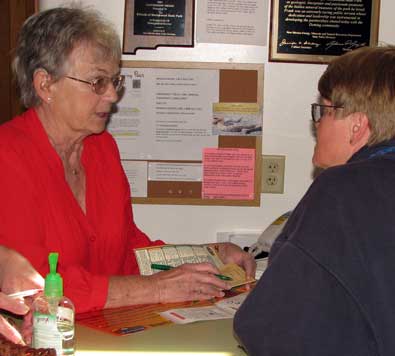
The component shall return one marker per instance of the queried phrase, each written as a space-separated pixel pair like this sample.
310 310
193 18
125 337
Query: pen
130 329
166 268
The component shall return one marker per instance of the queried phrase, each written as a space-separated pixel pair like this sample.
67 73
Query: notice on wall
237 119
232 21
136 172
149 24
172 172
159 19
165 114
228 173
322 27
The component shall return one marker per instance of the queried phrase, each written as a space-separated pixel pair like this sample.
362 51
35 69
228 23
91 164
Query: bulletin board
238 83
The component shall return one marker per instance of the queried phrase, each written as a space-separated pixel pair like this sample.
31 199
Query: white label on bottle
46 333
65 314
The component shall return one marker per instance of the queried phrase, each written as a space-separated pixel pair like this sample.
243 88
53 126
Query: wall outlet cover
273 170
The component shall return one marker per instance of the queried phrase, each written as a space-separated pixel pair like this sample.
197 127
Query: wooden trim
5 72
14 13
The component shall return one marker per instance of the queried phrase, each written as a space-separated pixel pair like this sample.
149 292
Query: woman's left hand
231 253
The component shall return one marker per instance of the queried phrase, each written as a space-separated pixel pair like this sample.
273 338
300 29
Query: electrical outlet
273 170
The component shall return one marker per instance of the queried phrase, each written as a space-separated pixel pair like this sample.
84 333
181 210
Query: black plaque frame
149 39
291 42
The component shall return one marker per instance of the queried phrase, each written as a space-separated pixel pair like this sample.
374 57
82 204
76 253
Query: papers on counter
224 309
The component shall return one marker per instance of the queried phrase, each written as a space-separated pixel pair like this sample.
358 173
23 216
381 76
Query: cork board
238 83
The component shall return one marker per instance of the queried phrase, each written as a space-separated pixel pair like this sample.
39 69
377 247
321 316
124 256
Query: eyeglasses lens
322 110
117 82
315 112
101 84
318 111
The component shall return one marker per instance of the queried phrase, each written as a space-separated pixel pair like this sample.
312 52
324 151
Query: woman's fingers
189 282
14 305
27 327
10 332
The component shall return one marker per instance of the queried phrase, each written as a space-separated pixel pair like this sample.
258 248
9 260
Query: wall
288 91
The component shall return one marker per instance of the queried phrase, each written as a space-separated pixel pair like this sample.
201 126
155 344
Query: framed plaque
149 24
315 31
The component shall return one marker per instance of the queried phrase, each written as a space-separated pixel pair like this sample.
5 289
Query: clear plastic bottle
53 315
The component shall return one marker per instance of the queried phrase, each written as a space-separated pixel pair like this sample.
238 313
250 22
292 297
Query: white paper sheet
185 172
224 309
232 21
165 114
136 172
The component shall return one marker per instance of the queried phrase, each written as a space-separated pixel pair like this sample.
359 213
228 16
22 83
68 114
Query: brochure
175 255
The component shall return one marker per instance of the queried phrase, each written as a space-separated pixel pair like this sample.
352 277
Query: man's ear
359 129
42 85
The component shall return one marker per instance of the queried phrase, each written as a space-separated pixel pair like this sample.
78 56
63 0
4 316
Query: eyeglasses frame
93 82
314 105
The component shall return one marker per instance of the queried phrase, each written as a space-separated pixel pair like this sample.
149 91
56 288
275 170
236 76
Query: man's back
329 288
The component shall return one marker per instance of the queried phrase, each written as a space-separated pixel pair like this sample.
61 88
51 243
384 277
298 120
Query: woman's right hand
16 306
191 281
16 272
16 275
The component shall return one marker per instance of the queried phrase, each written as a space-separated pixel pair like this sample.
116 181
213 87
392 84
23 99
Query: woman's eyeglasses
320 110
100 85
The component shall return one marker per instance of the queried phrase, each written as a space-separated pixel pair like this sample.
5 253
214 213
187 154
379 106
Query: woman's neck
65 142
69 145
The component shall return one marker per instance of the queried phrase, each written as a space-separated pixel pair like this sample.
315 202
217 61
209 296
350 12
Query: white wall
288 91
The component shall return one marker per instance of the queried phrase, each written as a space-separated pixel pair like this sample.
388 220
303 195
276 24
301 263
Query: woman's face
333 139
78 110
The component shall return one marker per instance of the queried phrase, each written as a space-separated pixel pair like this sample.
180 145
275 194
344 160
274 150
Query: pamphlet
137 318
176 255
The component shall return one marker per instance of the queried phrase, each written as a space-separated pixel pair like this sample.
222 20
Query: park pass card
237 274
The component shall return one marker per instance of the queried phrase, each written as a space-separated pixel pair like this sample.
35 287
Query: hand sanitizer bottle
53 314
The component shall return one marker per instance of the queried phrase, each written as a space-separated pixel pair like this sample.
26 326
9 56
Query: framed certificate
149 24
317 31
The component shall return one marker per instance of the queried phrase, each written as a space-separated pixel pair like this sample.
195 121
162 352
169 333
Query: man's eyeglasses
320 110
100 85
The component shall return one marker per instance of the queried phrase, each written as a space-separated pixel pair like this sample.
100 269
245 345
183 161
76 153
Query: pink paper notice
228 173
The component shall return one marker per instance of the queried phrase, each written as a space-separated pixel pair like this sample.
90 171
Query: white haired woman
62 185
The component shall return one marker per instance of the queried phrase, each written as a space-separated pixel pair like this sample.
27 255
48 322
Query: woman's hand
191 281
16 306
16 273
231 253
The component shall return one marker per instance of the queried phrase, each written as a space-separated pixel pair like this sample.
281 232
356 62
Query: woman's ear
359 129
42 85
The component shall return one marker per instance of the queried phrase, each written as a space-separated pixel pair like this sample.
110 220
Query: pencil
166 268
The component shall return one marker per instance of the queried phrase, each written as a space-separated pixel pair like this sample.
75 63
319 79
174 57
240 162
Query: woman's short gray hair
363 80
47 39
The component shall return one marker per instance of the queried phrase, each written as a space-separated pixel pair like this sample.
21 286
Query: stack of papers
261 265
224 309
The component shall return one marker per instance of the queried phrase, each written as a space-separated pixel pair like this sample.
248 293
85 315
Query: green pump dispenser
53 281
53 314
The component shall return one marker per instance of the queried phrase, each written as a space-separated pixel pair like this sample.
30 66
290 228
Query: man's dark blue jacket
329 289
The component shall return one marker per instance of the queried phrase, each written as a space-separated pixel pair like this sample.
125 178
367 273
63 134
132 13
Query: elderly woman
329 288
62 186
